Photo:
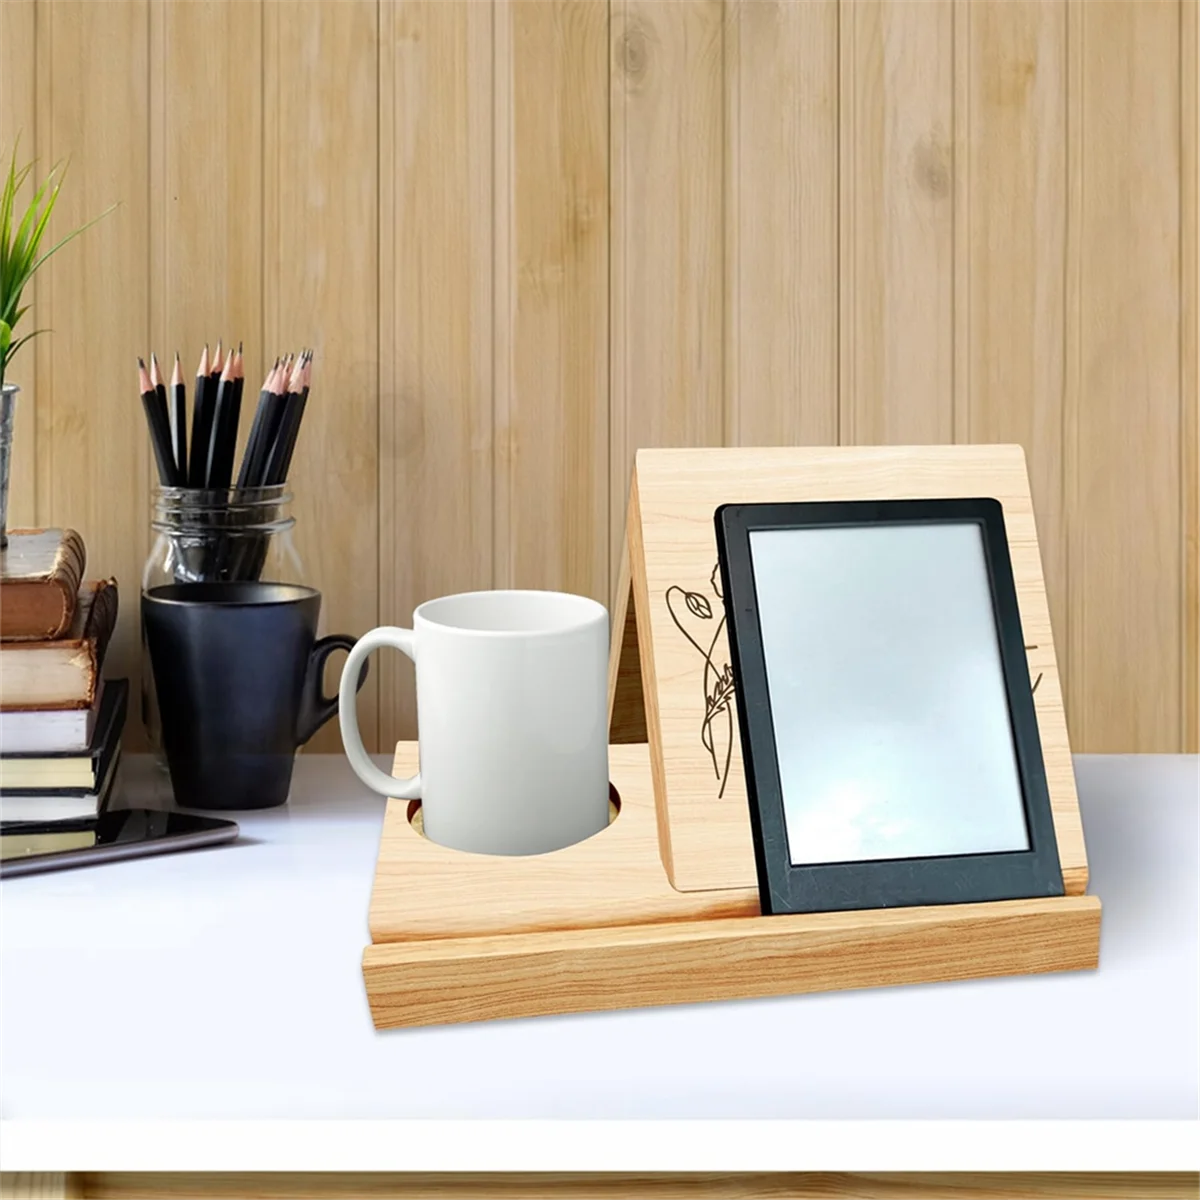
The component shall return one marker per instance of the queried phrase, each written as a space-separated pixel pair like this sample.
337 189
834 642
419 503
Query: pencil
178 422
278 415
232 415
156 421
239 386
280 459
202 416
256 443
272 457
160 405
224 431
156 380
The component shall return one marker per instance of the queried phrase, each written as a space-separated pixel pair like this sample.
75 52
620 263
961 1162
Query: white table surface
225 984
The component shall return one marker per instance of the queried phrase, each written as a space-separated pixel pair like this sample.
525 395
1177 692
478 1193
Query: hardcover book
40 574
72 769
63 673
51 731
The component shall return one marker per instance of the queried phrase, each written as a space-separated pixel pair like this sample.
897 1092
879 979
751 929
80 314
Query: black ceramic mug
237 670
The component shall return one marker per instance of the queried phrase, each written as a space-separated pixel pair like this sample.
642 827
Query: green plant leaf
70 237
22 340
11 186
21 252
39 209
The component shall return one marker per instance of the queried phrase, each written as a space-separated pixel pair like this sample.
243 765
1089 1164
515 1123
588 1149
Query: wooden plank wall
528 236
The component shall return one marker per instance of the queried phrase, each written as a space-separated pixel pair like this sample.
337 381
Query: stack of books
60 719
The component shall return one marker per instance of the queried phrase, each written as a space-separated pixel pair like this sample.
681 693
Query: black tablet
887 722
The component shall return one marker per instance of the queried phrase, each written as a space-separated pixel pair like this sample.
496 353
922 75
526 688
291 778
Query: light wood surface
1189 365
991 1185
423 890
691 715
1012 209
41 1185
781 224
668 259
626 701
436 337
92 460
551 214
1129 335
320 256
897 222
452 980
532 236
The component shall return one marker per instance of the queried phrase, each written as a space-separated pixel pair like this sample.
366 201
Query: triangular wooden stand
662 907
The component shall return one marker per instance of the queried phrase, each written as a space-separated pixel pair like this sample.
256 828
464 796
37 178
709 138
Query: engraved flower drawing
694 617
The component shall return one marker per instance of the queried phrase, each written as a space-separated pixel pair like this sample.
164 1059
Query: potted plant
21 254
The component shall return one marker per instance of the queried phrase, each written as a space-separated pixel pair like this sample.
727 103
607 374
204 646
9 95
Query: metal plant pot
8 407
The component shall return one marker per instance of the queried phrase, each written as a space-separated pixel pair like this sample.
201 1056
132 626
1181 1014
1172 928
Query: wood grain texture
747 221
695 747
40 1185
93 456
667 233
781 224
18 130
897 213
452 980
206 209
1189 366
436 318
626 703
992 1185
551 406
1125 539
1011 140
423 890
321 261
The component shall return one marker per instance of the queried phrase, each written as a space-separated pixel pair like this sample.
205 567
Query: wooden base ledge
450 980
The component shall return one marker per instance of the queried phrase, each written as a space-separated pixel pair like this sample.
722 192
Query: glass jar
209 536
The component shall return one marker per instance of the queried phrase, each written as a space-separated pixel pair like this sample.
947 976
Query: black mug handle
315 707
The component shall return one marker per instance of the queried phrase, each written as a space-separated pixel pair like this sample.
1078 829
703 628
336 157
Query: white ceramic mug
512 719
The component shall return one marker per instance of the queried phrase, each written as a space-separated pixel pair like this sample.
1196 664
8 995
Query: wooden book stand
662 907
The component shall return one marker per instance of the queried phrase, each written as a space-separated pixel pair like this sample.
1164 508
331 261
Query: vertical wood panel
897 201
782 221
436 275
18 90
552 311
1125 569
92 445
1012 145
668 267
1001 195
206 214
1189 441
321 270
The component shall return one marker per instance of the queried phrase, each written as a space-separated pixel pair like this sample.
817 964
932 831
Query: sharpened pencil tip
141 362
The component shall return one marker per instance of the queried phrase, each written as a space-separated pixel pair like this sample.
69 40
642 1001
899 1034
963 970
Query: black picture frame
880 883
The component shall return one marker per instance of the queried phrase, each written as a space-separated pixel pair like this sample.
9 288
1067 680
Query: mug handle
386 785
315 707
